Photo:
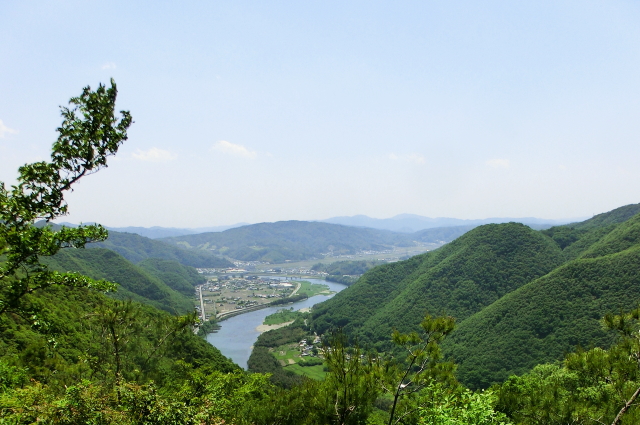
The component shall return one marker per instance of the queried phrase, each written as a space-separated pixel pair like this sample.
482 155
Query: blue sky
265 111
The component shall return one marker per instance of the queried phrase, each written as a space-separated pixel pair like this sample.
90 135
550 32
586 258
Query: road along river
236 335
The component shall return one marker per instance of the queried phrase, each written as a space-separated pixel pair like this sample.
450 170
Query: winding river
236 335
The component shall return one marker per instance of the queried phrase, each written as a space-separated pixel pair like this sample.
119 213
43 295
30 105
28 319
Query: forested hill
298 240
459 279
136 248
521 297
292 240
164 284
550 316
72 344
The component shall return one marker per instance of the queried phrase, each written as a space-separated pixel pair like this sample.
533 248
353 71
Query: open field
312 289
222 296
314 372
394 255
225 295
282 316
289 355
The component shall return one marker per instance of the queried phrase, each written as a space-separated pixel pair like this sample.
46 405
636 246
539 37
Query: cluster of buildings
294 271
308 349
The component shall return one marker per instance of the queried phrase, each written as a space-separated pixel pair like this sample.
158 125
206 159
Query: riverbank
263 328
237 334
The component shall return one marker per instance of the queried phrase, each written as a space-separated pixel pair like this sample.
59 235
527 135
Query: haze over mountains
412 223
405 223
303 240
157 232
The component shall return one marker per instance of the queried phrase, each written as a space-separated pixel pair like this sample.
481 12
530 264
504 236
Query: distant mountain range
157 232
409 223
405 223
291 240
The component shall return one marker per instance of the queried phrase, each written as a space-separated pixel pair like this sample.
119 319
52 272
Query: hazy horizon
252 113
64 219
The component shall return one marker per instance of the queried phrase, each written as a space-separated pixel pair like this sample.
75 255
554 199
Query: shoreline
264 328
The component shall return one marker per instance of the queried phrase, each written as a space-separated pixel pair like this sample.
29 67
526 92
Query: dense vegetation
262 361
69 354
521 297
345 272
177 276
142 284
291 240
460 279
340 268
553 314
301 240
136 248
73 340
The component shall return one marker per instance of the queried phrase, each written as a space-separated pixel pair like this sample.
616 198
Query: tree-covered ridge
460 279
142 284
175 275
444 234
521 297
136 248
299 240
72 340
553 314
291 240
615 216
340 268
575 238
71 355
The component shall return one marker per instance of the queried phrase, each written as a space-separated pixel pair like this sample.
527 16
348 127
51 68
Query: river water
236 335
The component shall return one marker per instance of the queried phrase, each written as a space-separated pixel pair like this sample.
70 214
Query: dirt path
296 290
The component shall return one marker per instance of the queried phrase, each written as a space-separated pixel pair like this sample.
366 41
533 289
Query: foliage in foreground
73 356
89 134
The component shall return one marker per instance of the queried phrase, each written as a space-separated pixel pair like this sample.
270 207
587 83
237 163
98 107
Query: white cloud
109 65
6 130
498 163
153 155
413 158
233 149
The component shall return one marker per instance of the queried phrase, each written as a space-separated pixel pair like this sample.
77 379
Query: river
236 335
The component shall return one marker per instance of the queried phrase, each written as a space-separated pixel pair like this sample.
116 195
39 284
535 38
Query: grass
281 316
312 288
313 372
288 352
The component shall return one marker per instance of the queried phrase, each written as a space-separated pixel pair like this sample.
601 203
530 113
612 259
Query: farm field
390 256
225 295
290 357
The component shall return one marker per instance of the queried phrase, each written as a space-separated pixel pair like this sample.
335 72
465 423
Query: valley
490 318
221 298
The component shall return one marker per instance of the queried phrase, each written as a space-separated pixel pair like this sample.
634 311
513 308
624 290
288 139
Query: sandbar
264 328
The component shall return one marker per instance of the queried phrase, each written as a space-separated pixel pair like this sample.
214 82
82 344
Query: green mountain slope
70 342
616 216
575 238
136 248
292 240
178 277
460 279
135 282
521 297
553 314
